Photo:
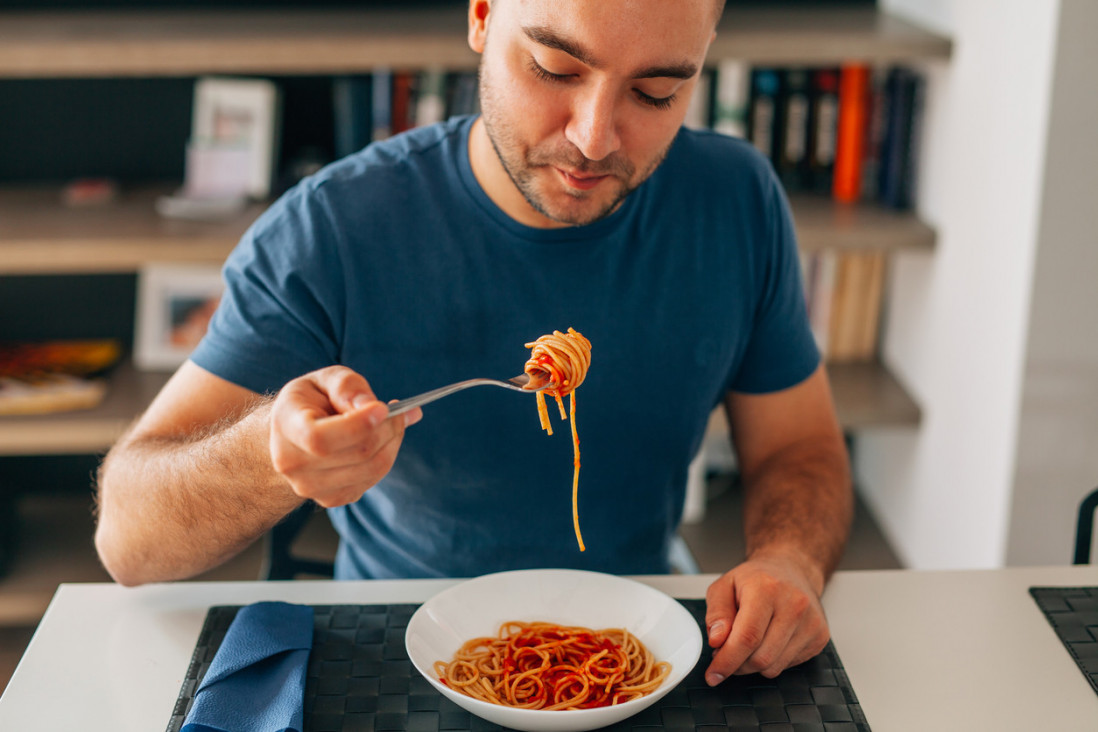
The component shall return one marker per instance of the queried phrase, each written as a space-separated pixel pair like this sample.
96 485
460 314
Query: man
574 200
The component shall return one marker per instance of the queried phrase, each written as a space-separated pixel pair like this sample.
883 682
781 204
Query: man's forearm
800 503
173 507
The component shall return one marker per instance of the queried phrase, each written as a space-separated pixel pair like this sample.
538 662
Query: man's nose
593 125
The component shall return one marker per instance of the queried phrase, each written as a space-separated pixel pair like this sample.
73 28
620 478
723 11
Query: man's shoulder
703 166
432 146
372 178
715 153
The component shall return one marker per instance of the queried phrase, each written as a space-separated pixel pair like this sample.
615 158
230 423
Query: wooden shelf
40 236
866 395
824 224
87 44
818 36
88 431
79 44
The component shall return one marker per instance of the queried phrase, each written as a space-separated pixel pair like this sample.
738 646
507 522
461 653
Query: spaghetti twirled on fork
560 361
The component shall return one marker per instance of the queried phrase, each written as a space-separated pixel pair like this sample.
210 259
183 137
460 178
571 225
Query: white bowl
478 606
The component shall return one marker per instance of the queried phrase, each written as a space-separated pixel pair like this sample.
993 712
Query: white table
109 658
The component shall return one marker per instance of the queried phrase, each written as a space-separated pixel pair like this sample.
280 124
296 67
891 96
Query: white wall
1058 437
957 318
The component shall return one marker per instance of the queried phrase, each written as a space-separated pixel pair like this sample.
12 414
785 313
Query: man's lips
581 182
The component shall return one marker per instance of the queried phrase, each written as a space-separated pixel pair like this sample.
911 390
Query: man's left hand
764 616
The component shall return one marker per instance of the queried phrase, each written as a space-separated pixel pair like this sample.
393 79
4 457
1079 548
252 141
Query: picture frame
234 138
174 305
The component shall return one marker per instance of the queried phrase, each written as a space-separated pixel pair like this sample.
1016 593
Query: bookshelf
40 236
80 44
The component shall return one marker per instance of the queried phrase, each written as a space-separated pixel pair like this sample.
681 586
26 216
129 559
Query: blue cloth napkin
256 681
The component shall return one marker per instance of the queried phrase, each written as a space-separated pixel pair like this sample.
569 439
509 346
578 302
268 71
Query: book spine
876 124
431 99
896 179
870 312
850 143
911 171
353 120
730 98
855 305
824 124
793 150
764 124
844 309
822 297
699 111
403 103
462 94
382 108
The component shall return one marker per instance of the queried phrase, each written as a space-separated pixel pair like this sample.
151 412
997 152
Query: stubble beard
522 163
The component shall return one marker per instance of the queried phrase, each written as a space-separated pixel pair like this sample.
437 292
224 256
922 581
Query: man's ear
478 23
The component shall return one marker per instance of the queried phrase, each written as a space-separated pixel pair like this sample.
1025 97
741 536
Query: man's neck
497 184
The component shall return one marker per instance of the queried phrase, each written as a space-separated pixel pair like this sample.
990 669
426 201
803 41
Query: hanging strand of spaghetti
559 362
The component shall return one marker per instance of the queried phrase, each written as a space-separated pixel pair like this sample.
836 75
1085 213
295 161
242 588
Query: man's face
581 99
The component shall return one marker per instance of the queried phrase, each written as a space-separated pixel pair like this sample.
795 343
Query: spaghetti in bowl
479 607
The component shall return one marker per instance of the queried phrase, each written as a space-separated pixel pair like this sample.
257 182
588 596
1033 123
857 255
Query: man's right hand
331 438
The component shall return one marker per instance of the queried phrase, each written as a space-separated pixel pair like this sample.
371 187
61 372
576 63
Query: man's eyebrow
549 39
683 70
546 37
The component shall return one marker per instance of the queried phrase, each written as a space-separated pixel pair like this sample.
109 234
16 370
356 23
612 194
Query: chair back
279 561
1084 527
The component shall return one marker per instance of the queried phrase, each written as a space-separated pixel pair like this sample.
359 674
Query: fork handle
399 407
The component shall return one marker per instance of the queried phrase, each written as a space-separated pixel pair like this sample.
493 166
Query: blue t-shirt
395 262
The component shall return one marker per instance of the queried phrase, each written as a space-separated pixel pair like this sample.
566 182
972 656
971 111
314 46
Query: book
403 106
462 94
763 121
877 105
792 161
381 104
698 112
732 86
821 292
352 113
850 140
855 303
824 124
870 313
430 98
896 174
844 309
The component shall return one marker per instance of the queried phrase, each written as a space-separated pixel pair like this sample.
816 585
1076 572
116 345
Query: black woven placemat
359 678
1073 613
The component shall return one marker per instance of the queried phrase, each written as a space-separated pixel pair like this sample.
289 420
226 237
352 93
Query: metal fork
517 383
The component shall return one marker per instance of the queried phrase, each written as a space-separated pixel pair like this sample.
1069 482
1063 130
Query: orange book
850 142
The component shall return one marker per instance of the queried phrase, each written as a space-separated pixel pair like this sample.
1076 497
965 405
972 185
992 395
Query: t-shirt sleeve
281 309
781 351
